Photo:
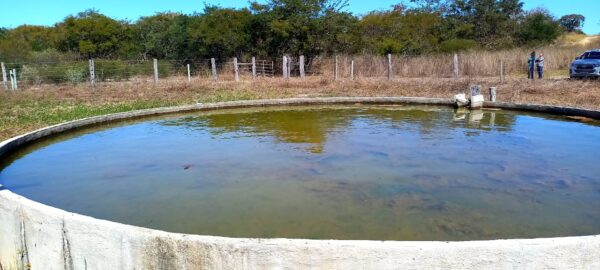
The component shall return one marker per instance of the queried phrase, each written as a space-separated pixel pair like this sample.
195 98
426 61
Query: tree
538 28
410 31
39 38
163 35
297 26
3 32
492 23
91 34
572 22
220 33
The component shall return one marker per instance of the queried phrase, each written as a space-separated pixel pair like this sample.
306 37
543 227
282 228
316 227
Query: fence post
302 72
13 79
456 66
213 66
501 71
16 79
289 68
236 74
389 68
352 70
335 69
92 72
4 80
10 75
253 67
285 67
189 73
155 70
493 94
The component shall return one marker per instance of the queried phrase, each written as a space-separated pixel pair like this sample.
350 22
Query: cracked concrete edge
56 239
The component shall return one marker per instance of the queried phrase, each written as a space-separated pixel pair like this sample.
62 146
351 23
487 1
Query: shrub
75 75
31 75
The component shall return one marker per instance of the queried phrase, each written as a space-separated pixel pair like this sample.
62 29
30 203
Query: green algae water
326 172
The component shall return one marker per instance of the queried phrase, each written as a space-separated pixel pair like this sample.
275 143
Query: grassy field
33 108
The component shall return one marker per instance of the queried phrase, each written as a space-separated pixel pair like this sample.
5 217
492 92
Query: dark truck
586 65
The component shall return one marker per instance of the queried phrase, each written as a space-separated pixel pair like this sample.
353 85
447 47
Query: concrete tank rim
13 143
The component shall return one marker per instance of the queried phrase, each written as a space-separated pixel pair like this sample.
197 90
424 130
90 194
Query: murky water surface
333 172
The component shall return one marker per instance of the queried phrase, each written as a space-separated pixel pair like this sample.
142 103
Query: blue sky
48 12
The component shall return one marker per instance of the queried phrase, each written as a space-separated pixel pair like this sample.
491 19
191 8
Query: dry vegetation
36 107
472 64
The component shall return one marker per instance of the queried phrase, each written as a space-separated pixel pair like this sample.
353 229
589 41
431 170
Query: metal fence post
352 70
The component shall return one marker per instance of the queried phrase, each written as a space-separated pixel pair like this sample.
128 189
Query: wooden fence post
501 71
302 72
92 72
155 70
352 70
493 94
13 79
289 67
285 68
189 73
10 75
335 69
16 79
389 68
4 80
253 67
456 72
236 73
213 65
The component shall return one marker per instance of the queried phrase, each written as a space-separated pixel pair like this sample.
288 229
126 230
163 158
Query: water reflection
314 125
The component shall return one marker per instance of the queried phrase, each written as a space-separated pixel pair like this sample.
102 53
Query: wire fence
471 64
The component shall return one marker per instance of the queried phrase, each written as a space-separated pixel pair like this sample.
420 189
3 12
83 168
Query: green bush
31 75
75 75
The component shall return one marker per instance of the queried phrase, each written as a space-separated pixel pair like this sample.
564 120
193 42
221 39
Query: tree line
309 27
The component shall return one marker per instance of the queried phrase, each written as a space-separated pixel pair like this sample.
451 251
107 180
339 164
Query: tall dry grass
471 63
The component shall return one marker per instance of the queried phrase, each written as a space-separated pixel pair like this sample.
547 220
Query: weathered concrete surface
49 238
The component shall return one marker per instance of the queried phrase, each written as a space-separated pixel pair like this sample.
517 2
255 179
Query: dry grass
471 64
26 110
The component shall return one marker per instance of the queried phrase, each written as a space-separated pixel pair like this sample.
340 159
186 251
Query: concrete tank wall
42 237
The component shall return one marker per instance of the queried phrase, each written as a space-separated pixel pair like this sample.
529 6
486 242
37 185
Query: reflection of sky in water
354 172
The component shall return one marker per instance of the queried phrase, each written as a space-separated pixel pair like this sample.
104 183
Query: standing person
531 66
539 62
